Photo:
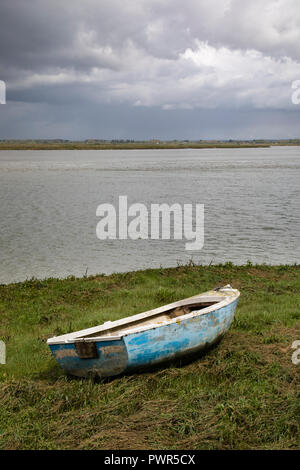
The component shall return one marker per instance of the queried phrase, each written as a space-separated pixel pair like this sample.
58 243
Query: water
49 201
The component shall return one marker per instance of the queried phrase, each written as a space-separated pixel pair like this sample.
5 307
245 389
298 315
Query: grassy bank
242 394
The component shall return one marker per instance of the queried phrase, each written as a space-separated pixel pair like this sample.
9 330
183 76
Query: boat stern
91 358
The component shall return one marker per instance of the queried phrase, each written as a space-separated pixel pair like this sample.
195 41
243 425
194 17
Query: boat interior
152 318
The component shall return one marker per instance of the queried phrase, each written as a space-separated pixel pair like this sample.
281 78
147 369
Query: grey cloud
148 58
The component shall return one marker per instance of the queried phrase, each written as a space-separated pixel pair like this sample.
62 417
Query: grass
243 394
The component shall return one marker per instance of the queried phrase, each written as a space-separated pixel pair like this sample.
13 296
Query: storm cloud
148 68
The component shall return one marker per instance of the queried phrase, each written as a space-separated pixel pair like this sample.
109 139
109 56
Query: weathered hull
145 348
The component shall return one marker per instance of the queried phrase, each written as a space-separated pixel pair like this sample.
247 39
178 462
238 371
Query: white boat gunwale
220 302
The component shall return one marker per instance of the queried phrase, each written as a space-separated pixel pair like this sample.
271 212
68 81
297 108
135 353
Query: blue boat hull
153 346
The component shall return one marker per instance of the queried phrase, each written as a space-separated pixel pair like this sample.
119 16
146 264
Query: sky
143 69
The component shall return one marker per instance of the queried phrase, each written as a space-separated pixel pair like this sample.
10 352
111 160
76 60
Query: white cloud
201 76
169 54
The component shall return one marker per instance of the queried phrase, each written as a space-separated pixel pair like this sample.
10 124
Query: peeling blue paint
167 341
148 347
112 359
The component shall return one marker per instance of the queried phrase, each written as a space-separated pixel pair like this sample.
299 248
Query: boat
172 331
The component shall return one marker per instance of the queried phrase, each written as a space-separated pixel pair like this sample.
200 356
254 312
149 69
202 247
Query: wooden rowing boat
174 330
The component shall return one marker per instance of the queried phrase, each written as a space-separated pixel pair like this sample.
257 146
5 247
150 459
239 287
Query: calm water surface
49 201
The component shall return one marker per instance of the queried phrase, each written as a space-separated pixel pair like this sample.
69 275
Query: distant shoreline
146 145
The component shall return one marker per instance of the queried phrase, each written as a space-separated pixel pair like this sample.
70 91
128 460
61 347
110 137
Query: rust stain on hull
111 349
60 354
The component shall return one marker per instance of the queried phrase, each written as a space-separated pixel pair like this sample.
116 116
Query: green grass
243 394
